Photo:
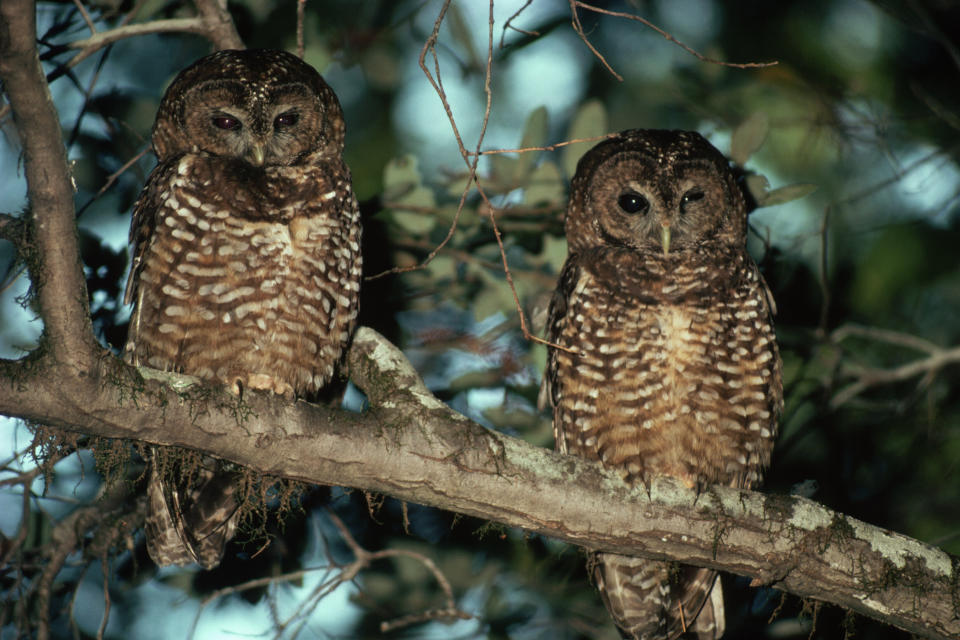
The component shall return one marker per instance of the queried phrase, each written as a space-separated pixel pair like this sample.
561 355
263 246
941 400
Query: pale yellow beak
665 239
256 155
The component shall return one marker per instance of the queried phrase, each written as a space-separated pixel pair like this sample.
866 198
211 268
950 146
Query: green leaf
402 185
493 297
534 135
786 194
502 171
758 186
749 137
554 252
545 186
590 121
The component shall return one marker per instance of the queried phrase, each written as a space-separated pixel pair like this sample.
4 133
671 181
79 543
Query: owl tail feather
194 522
652 600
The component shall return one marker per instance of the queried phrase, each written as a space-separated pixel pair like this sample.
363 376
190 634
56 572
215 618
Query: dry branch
411 446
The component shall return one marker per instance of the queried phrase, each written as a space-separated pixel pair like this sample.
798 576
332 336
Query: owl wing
192 520
144 221
556 323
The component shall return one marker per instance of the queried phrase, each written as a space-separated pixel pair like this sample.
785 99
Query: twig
508 25
362 560
85 15
578 27
823 278
100 39
301 10
105 565
867 377
886 335
629 16
549 147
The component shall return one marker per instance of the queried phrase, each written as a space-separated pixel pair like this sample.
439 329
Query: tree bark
411 446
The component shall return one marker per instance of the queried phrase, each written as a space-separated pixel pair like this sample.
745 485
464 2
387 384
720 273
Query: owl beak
665 238
256 155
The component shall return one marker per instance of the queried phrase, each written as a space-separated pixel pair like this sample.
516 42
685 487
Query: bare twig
85 15
105 567
301 10
341 575
823 277
219 25
578 27
508 24
549 147
867 377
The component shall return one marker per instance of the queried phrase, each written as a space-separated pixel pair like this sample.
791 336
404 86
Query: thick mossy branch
61 289
411 446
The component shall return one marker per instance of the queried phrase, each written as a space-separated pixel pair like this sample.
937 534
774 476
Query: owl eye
286 120
633 202
227 123
693 195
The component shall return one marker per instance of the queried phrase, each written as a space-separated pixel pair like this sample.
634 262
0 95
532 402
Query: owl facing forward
245 260
669 363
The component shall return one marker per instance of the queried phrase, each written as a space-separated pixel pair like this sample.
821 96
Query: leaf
545 186
787 194
749 137
758 185
400 175
534 135
590 121
493 298
402 185
554 252
502 171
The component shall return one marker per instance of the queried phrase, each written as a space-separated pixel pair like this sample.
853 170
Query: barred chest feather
246 279
675 372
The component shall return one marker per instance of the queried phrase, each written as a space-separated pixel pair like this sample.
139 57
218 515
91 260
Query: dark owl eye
693 195
226 122
286 120
633 202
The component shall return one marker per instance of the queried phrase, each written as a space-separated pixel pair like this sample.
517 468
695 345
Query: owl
246 261
667 362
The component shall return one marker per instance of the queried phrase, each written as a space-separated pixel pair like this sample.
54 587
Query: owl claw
265 382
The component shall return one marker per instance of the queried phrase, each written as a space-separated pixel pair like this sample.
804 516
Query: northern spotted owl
669 364
245 260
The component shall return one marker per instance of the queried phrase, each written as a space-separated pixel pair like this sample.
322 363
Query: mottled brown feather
246 259
671 364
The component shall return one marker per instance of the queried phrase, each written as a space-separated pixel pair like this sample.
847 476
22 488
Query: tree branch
411 446
61 289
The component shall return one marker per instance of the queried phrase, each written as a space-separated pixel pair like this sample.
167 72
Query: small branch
219 25
343 574
61 289
578 27
508 24
101 39
301 10
549 147
867 377
574 4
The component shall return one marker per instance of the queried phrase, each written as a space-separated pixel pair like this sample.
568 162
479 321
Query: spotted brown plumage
246 258
670 364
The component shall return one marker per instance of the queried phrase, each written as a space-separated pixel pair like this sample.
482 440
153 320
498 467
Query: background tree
860 103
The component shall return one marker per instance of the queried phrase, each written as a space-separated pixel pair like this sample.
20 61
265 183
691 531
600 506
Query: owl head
262 106
655 191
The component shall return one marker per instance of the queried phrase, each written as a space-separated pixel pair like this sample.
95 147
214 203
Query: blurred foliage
853 135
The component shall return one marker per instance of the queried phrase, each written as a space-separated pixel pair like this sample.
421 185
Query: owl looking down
245 259
669 363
